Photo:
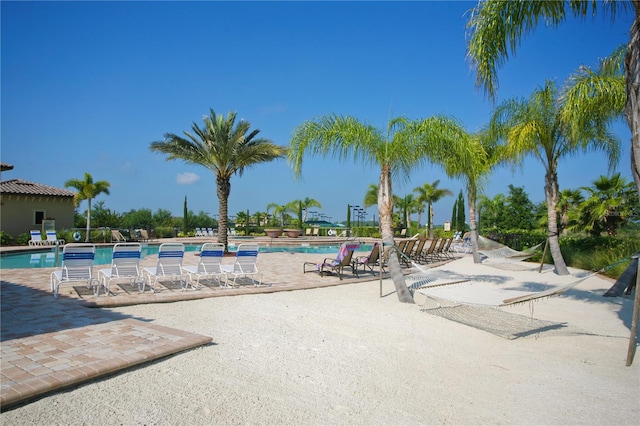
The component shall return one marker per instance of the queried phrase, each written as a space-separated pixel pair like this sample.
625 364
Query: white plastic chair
245 264
77 266
125 265
169 266
209 265
52 238
36 238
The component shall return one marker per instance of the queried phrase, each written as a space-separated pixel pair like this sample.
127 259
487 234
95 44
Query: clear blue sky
87 86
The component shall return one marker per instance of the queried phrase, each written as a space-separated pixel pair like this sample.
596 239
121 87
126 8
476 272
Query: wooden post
634 320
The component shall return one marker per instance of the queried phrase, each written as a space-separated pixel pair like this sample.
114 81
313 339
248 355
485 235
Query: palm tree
279 212
536 127
307 204
606 207
470 157
568 201
497 26
224 147
428 194
87 190
404 146
371 196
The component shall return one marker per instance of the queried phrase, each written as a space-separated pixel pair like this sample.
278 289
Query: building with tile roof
27 205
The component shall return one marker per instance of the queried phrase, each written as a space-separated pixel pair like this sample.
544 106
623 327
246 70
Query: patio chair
52 239
117 236
77 266
125 265
418 249
370 260
337 265
245 264
209 265
426 254
36 238
168 267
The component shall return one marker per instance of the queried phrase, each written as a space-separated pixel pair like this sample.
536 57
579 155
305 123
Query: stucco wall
18 213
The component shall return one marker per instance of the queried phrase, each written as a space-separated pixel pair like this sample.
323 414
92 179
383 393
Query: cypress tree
460 226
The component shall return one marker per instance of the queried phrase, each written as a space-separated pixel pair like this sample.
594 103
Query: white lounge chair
52 239
125 265
36 238
209 265
77 266
245 264
169 266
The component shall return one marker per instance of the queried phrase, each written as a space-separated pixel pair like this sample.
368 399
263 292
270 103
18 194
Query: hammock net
476 300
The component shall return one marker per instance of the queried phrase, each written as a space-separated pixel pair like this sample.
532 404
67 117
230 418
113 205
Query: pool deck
49 344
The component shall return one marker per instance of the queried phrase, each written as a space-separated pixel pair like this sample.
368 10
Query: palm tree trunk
551 194
472 226
632 73
86 238
430 221
385 211
224 189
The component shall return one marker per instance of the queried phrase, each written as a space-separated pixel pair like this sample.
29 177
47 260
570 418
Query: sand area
346 355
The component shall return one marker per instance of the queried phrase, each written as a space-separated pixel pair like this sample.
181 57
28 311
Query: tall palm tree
226 148
428 194
470 157
536 127
87 190
498 26
398 150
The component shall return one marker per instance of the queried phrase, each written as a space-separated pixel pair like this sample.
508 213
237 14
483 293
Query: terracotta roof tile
23 187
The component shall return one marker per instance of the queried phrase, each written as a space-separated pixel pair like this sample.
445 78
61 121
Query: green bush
23 239
596 253
5 239
163 232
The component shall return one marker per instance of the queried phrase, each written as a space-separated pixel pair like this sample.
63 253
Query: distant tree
429 194
279 212
493 212
163 217
460 214
226 148
454 214
87 190
103 216
142 218
307 204
519 209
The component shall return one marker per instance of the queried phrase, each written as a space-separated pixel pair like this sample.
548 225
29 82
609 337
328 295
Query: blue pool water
46 258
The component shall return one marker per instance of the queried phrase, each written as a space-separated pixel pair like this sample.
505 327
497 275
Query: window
39 217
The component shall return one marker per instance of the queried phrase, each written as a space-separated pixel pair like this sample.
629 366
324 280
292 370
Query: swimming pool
45 258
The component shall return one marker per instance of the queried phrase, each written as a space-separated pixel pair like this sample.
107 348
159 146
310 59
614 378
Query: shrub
23 239
5 239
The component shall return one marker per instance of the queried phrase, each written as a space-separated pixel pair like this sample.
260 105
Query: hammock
495 251
444 285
